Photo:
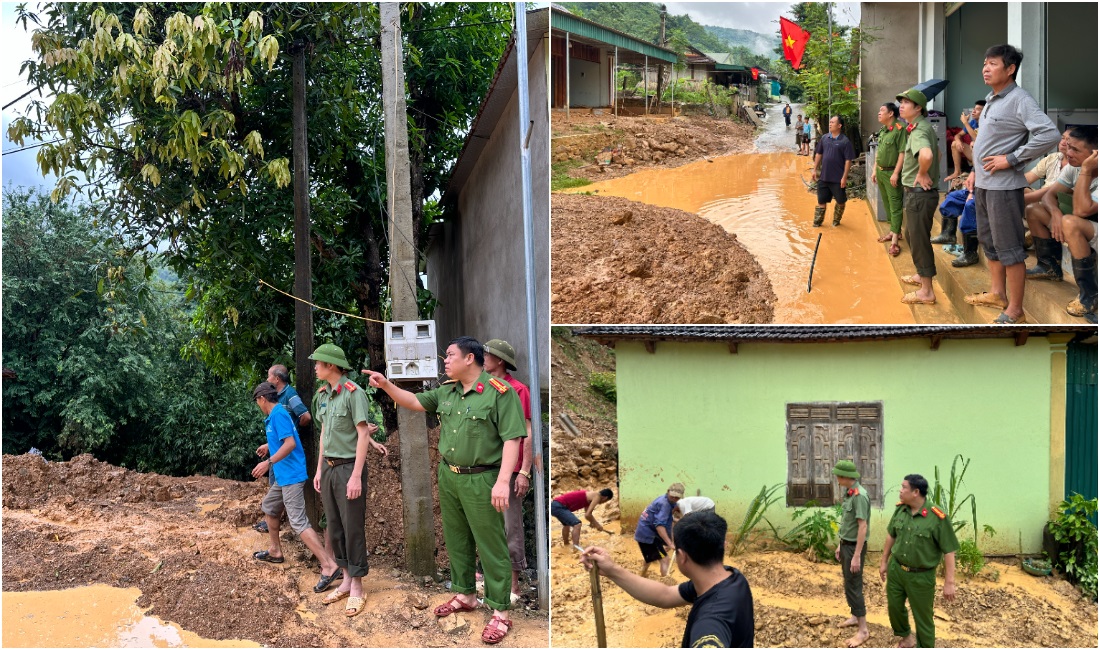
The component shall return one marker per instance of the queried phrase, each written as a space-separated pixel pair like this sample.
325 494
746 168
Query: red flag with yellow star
794 39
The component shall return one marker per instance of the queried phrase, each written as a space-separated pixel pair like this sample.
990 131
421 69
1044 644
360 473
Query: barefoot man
919 536
851 553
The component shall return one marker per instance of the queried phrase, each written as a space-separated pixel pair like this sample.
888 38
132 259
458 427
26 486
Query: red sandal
455 604
492 633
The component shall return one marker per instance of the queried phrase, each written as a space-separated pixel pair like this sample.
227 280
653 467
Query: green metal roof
584 28
723 62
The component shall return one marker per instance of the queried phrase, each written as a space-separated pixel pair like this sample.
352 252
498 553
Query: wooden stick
597 604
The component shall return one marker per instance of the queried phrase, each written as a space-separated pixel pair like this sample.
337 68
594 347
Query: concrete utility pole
419 527
660 67
303 267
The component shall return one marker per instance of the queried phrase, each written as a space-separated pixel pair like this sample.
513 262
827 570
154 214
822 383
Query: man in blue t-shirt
654 529
722 612
286 465
279 377
831 164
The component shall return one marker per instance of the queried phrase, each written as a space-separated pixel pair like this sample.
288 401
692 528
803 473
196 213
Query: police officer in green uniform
342 410
851 553
919 537
920 178
480 423
892 139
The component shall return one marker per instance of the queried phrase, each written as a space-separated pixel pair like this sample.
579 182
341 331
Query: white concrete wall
476 265
589 83
889 64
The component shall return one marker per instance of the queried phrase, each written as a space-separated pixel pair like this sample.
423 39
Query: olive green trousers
472 528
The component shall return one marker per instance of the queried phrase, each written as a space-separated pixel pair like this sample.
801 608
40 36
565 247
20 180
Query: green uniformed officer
341 409
919 537
480 423
892 139
851 553
920 178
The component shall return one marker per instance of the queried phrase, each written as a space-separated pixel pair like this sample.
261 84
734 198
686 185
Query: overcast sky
757 16
18 168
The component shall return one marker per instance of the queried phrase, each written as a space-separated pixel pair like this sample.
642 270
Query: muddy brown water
95 616
762 198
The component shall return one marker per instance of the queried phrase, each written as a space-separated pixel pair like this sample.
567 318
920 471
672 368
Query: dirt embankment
186 543
799 603
619 261
605 147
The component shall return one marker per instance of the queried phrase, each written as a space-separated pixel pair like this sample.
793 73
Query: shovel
597 604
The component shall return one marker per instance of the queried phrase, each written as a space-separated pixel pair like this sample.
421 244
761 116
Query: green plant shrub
816 531
1073 527
969 558
755 513
603 383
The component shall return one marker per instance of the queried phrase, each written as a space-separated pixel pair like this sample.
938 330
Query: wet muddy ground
185 545
799 603
762 198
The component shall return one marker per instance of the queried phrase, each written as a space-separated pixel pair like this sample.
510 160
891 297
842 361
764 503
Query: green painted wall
694 412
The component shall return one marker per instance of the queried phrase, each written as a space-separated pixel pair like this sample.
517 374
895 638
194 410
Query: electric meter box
410 350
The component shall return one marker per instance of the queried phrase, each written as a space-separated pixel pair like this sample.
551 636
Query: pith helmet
331 353
914 96
846 469
502 350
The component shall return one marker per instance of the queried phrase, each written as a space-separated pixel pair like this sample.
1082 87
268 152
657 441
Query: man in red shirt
563 506
499 359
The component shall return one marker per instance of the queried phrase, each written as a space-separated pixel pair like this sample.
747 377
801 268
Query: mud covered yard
583 143
186 543
799 603
619 261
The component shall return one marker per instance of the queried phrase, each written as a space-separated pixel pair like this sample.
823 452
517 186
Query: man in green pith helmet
919 537
480 424
341 410
920 178
851 553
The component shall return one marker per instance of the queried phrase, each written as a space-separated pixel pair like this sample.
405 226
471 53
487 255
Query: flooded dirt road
799 603
94 616
762 198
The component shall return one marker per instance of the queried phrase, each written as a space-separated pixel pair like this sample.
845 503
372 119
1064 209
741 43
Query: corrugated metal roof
724 62
818 334
564 21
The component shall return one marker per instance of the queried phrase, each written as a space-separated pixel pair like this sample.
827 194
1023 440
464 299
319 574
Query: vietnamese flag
755 73
794 39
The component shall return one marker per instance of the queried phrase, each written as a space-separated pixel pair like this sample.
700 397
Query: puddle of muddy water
762 198
96 616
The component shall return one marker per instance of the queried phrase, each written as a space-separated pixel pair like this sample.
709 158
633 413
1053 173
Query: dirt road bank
187 545
798 604
617 261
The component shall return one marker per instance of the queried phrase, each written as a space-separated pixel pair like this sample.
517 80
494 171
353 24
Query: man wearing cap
279 377
1014 131
499 359
342 410
287 489
834 154
653 532
851 553
920 178
919 536
480 422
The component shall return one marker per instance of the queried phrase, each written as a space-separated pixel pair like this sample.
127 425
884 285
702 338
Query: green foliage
969 558
700 93
816 531
949 497
560 179
603 383
1074 527
756 512
94 344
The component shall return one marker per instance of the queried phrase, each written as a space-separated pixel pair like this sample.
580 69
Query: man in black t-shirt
831 164
721 613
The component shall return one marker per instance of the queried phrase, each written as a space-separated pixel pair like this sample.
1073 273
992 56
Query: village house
727 410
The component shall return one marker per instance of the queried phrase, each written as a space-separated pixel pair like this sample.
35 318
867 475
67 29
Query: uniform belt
919 190
475 469
334 462
887 169
912 569
847 543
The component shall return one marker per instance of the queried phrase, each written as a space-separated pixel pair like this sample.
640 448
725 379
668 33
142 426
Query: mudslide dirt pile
618 261
608 148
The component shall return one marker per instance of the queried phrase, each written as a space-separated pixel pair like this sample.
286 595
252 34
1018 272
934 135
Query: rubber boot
837 214
946 235
1049 261
1084 305
818 216
969 256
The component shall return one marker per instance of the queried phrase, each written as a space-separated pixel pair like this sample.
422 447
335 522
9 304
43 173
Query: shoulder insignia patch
938 513
500 386
450 381
350 386
853 492
480 388
900 503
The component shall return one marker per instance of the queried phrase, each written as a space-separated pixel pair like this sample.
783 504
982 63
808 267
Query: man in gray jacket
1014 131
